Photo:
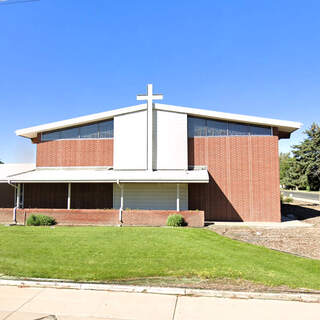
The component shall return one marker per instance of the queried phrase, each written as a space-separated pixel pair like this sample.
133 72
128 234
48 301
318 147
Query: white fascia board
287 126
33 131
107 181
109 176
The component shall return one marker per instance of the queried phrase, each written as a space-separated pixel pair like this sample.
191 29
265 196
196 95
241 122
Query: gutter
11 184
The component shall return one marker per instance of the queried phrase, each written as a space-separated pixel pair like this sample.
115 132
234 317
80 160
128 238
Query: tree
1 162
289 172
307 159
285 163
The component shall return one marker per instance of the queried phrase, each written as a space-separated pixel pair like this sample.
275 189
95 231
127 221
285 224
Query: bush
33 220
176 220
46 221
288 200
40 220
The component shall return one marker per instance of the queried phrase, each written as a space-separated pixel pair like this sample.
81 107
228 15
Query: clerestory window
200 127
99 130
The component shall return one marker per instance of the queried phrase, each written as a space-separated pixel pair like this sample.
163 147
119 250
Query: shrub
175 220
40 220
288 200
46 221
33 220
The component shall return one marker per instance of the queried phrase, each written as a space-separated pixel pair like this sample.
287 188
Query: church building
136 165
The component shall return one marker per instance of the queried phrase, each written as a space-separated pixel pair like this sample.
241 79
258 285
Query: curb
301 297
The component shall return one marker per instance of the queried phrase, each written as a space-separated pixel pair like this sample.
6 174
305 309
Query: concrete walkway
68 304
273 225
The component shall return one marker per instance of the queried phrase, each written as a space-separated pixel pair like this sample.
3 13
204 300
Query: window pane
260 131
72 133
51 136
197 127
237 129
106 129
90 131
217 128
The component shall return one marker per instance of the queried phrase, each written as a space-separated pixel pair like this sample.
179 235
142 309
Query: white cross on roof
149 96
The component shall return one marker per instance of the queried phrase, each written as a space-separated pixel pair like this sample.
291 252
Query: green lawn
113 253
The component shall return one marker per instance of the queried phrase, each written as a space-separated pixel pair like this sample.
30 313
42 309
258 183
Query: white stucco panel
171 137
130 141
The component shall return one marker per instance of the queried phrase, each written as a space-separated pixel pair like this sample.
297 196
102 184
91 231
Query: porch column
178 197
121 197
121 186
18 195
69 196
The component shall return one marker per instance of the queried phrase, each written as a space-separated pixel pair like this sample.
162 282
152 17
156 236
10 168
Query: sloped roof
14 168
282 125
74 175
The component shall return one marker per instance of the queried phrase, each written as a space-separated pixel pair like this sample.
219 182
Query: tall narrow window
217 128
238 129
106 129
260 131
72 133
49 136
197 127
90 131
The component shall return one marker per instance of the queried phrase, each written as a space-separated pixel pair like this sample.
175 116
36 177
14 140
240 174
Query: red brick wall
81 152
106 217
244 178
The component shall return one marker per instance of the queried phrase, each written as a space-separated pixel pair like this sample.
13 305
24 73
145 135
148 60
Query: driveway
67 304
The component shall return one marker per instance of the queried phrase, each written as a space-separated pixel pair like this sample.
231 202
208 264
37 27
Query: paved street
67 304
300 195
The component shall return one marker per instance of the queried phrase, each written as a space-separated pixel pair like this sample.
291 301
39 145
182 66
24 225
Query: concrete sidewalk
68 304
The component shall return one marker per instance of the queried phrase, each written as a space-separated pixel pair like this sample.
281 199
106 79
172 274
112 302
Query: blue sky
61 59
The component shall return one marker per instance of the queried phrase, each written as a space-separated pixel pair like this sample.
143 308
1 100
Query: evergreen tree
307 159
285 163
289 172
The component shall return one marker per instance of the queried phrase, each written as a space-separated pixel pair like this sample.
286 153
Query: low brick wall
159 217
105 217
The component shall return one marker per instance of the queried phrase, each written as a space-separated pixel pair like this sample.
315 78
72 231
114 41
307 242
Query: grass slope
111 253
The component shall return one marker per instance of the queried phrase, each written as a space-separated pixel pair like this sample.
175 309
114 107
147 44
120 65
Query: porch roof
14 168
96 175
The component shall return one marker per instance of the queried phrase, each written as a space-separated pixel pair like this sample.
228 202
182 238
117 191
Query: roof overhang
14 168
282 125
105 175
32 132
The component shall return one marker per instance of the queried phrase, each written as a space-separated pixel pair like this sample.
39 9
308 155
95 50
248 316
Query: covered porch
101 190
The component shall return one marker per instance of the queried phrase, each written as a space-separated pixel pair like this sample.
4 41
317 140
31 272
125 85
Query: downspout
121 202
14 216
